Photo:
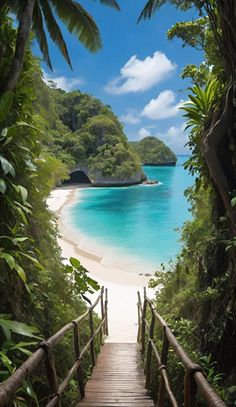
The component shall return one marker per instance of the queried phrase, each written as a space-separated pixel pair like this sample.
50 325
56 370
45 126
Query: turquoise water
137 221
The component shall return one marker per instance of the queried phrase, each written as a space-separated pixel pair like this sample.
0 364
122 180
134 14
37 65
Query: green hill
87 136
153 151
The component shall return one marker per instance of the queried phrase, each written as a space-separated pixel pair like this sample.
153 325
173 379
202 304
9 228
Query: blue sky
137 71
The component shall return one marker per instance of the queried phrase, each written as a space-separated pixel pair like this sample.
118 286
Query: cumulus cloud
143 132
175 137
163 107
140 75
131 117
62 82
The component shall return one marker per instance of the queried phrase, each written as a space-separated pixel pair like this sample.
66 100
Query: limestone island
153 151
89 141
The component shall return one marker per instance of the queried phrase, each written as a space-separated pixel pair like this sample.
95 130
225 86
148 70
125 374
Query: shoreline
122 285
70 242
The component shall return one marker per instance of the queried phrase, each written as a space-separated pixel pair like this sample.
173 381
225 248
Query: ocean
135 227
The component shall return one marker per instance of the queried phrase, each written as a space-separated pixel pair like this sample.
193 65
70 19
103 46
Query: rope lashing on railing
44 352
195 381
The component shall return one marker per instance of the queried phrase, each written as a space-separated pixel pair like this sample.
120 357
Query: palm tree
34 15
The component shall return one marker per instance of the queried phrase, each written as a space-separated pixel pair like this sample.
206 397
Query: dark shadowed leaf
19 328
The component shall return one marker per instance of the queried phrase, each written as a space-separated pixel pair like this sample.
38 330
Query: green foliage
36 291
83 131
9 326
182 283
200 104
193 33
153 151
198 113
11 355
107 150
80 281
209 366
200 287
76 19
199 75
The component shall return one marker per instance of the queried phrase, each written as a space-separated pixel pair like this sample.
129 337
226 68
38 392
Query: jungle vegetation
82 131
39 293
201 284
39 127
153 151
39 17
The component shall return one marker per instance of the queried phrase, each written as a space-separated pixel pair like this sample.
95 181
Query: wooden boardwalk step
117 379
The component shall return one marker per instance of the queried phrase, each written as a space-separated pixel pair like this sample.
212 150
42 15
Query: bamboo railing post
143 322
149 353
51 373
77 355
139 305
92 351
190 387
164 356
102 315
106 313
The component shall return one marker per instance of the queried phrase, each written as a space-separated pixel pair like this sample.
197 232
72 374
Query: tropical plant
33 14
11 354
212 120
201 103
80 282
13 194
198 113
222 16
35 288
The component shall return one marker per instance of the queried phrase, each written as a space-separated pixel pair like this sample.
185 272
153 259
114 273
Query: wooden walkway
117 379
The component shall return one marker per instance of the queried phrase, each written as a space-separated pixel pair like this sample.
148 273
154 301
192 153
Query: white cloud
140 75
67 84
163 107
143 132
132 117
175 137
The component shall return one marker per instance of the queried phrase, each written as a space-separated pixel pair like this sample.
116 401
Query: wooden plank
118 379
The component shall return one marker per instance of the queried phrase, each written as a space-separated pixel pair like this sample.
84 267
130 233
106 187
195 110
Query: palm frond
38 29
10 5
150 8
79 22
111 3
54 29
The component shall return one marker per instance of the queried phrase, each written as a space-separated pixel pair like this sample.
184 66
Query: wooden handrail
44 352
194 382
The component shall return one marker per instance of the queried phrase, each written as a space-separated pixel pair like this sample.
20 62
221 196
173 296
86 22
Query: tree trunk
210 149
9 82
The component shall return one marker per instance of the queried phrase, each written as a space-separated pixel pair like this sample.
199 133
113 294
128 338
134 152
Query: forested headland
153 151
83 133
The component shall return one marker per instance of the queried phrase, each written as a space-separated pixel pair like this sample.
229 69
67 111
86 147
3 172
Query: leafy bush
35 287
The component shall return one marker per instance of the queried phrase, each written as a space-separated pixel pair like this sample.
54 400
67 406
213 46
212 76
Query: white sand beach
122 285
